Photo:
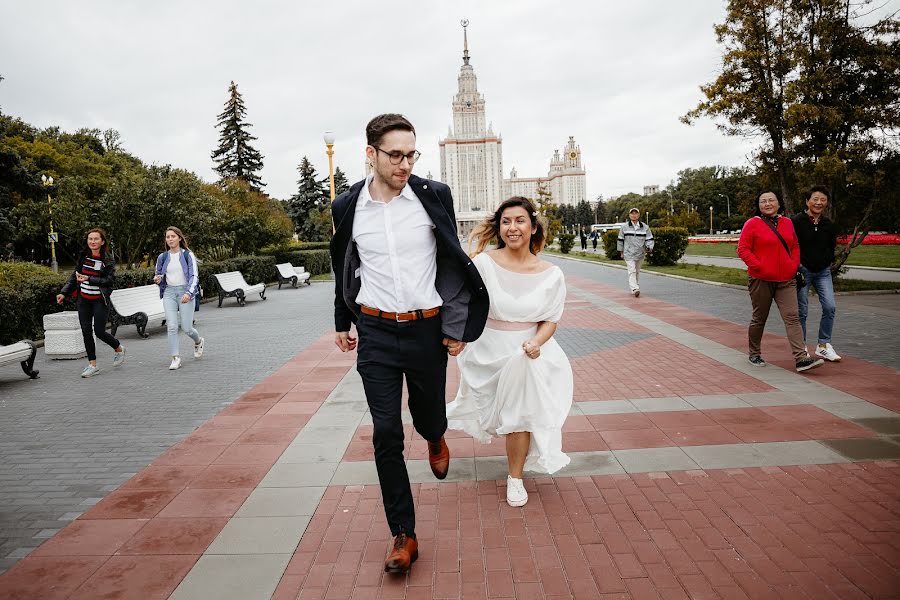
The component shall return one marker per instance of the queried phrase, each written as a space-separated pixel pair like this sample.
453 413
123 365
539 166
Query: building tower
471 154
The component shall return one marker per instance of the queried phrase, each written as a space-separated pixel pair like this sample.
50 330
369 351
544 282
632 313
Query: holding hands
454 347
532 349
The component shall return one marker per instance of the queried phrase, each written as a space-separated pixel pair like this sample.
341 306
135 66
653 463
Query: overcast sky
616 75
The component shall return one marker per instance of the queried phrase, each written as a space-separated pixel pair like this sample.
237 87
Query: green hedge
566 241
27 293
277 249
610 237
669 244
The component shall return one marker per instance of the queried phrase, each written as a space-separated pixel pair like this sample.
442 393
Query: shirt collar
365 196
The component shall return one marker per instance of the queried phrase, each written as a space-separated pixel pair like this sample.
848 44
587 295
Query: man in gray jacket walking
635 241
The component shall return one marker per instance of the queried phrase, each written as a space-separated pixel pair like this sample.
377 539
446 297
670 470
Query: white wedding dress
503 391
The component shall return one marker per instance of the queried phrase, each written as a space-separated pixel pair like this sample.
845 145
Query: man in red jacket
769 248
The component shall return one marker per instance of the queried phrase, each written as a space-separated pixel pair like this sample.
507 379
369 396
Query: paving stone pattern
66 442
859 330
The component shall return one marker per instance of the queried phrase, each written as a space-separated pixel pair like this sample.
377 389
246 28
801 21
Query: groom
415 297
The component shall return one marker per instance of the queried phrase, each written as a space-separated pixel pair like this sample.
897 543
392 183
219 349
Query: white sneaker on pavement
515 492
176 362
827 352
198 348
90 371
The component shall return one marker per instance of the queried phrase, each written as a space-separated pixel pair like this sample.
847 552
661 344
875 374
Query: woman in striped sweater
179 284
91 283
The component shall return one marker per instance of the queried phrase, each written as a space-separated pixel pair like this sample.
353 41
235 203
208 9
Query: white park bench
288 273
21 352
232 284
138 306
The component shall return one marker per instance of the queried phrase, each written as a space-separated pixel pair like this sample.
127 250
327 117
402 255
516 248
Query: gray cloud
615 75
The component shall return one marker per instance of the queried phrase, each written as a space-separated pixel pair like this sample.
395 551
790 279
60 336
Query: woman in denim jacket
179 283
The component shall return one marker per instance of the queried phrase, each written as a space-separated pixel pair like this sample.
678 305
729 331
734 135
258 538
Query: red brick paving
625 373
622 431
807 531
872 382
143 538
810 531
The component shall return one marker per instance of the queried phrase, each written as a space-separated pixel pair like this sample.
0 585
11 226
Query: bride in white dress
515 380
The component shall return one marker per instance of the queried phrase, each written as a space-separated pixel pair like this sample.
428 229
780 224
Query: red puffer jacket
763 252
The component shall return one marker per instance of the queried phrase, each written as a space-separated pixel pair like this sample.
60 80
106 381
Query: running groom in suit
415 296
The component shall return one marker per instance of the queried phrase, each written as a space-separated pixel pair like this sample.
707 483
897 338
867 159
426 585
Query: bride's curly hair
488 231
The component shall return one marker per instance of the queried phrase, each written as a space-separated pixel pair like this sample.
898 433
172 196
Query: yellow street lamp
329 145
53 236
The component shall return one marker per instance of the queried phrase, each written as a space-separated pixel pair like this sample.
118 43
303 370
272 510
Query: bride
515 380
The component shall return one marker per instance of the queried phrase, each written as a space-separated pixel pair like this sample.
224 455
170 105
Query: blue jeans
174 308
825 290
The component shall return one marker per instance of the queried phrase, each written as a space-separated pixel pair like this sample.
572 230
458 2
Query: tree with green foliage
818 83
235 156
306 206
548 210
341 184
600 215
584 215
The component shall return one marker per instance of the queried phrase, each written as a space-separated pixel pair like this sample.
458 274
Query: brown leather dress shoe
404 554
439 458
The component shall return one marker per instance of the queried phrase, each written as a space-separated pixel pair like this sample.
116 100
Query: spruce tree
341 184
235 157
303 206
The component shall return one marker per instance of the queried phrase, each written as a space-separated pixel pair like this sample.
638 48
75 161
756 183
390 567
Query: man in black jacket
415 296
818 238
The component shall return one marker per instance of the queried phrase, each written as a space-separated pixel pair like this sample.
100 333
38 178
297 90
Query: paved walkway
852 272
694 475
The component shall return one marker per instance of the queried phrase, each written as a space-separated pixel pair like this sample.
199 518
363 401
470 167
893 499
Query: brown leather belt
413 315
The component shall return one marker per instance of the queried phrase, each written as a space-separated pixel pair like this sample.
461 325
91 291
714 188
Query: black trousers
389 351
92 314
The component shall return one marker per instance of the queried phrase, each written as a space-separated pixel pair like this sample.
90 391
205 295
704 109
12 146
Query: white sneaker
176 362
827 352
90 371
119 357
198 348
515 492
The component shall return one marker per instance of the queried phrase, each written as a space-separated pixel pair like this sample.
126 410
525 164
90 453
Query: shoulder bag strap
775 229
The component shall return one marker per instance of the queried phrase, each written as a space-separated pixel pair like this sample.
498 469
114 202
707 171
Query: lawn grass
729 275
322 277
861 256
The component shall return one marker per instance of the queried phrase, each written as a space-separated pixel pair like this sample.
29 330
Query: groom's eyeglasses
396 157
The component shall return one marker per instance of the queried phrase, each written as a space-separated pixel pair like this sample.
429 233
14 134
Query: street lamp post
710 220
48 181
727 203
329 150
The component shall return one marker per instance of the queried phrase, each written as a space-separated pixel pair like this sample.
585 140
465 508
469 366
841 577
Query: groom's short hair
385 123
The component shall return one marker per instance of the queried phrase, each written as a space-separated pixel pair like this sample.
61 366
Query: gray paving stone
607 407
733 456
858 410
799 453
711 402
661 404
299 475
355 472
236 577
648 460
312 453
281 502
259 535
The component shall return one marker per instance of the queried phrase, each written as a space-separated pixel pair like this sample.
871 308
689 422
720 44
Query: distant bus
604 227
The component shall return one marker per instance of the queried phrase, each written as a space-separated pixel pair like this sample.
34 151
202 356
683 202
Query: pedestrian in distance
768 246
595 236
515 380
817 237
635 242
583 236
91 283
415 296
178 277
